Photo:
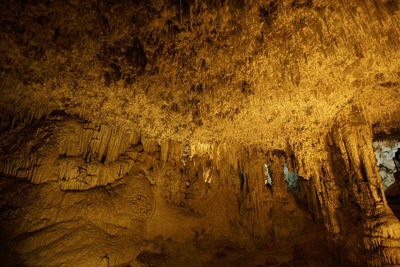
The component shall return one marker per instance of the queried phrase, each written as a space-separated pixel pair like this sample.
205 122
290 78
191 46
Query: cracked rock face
159 133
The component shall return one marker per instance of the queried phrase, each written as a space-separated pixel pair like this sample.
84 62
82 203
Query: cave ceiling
252 72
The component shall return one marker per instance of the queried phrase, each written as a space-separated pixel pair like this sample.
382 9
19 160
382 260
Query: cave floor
228 255
81 236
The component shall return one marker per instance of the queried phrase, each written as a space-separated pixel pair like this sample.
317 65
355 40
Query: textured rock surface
161 210
384 152
45 226
79 156
136 133
204 70
393 195
349 188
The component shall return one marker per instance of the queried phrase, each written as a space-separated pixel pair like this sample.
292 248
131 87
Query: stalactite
79 156
338 181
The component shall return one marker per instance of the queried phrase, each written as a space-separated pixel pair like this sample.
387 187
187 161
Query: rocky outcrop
346 194
78 155
42 225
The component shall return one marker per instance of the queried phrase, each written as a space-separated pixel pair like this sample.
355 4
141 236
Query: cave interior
199 133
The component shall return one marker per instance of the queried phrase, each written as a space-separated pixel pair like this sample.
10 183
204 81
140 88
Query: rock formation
384 151
199 133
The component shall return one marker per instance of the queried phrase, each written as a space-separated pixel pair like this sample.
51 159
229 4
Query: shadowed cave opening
290 179
385 148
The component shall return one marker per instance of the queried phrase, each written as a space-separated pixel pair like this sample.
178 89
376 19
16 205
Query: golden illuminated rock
198 133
